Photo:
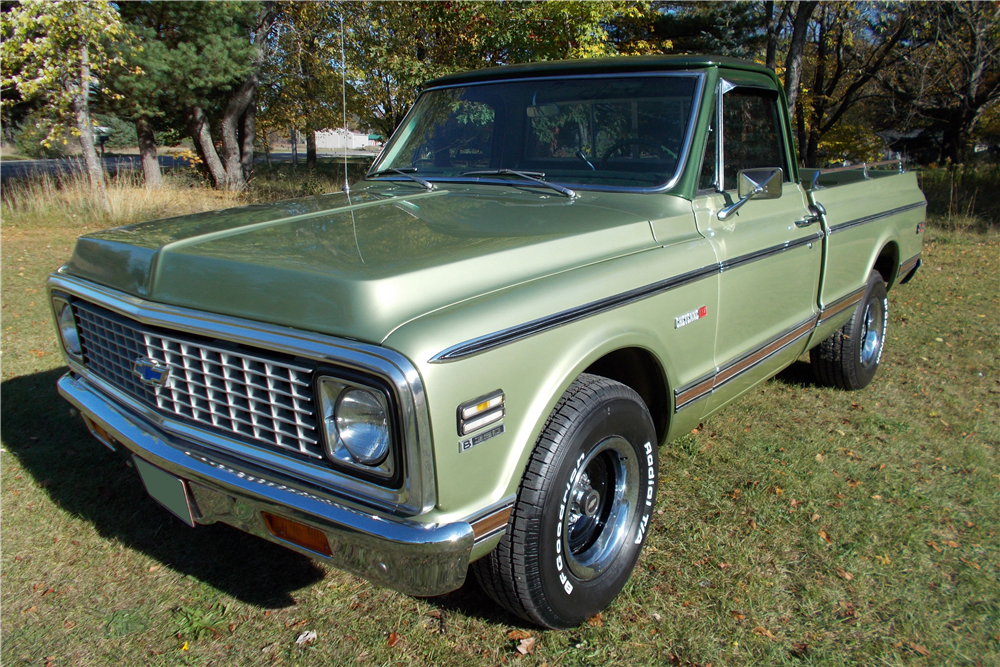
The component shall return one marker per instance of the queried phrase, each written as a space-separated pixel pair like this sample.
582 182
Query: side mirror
755 184
760 183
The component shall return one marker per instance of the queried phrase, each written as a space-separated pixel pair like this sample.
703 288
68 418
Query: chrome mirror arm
732 208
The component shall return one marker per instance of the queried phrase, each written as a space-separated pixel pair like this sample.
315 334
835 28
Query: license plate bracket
170 491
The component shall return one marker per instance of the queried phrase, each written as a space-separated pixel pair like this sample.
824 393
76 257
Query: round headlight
362 425
67 329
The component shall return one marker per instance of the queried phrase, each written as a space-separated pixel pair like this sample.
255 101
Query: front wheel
582 510
849 358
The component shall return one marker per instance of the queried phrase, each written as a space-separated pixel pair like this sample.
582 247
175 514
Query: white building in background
333 139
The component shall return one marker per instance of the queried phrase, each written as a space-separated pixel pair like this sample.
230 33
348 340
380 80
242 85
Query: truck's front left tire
582 510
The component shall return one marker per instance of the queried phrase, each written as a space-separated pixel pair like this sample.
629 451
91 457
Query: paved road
22 168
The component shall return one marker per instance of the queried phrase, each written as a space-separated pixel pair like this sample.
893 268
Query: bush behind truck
474 357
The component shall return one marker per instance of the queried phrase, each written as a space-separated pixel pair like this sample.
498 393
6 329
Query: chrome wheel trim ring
592 536
871 334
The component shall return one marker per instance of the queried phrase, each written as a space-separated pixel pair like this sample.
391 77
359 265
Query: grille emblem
151 371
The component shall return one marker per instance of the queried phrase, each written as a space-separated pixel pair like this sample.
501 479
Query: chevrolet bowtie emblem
151 371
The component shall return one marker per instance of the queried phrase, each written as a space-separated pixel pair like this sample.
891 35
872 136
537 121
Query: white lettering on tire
563 579
650 474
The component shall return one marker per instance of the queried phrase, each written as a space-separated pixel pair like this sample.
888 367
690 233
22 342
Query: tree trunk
773 32
793 63
310 148
95 169
202 138
231 167
147 153
267 149
293 139
247 136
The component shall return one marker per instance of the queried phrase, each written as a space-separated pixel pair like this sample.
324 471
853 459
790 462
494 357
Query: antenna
343 98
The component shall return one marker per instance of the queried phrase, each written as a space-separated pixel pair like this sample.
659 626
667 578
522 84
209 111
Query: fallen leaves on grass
935 547
819 458
737 615
968 562
778 490
922 650
763 632
526 647
596 621
393 639
844 574
752 524
814 518
307 637
884 560
952 543
825 536
518 635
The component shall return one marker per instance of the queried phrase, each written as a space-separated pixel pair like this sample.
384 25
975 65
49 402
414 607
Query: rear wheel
582 510
849 358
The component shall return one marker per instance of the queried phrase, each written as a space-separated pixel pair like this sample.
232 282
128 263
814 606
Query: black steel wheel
849 358
582 510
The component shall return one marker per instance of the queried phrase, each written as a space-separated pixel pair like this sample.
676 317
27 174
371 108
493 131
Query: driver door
770 265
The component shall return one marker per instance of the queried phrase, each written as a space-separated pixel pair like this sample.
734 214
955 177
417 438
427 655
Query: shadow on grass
86 479
798 374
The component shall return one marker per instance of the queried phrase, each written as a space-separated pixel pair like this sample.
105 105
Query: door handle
817 210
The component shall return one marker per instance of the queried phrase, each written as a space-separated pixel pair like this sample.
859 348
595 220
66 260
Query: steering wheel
657 148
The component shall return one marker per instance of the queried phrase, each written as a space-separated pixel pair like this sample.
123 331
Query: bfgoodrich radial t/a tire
849 358
582 510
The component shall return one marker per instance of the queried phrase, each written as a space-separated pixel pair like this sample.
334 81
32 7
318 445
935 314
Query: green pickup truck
474 356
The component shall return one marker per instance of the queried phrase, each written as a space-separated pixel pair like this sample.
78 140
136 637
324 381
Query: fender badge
688 318
469 443
150 371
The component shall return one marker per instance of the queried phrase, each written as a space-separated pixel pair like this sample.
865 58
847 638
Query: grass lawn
802 526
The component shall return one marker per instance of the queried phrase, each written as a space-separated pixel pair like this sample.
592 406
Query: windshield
596 131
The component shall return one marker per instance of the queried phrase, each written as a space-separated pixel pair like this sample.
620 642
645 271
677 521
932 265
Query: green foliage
184 54
394 47
29 135
122 134
45 47
963 196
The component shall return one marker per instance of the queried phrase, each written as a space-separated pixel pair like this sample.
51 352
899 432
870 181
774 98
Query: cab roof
597 66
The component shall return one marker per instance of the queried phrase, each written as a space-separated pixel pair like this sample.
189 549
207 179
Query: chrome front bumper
408 556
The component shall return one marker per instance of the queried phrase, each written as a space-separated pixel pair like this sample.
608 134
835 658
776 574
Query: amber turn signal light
305 536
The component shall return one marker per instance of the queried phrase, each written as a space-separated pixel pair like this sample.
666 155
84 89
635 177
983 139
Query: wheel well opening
638 369
887 264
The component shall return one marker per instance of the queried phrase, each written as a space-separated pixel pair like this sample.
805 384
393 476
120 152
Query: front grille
257 397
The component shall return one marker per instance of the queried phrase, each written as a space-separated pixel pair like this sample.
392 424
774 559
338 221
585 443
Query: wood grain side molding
704 386
491 524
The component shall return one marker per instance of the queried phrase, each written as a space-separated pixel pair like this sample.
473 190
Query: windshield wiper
405 172
535 176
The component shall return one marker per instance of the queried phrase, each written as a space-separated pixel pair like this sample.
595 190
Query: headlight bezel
63 304
389 472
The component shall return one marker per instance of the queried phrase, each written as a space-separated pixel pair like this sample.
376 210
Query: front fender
534 371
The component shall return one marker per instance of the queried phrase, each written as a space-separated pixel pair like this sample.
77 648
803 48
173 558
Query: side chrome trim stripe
840 305
877 216
728 264
704 386
505 336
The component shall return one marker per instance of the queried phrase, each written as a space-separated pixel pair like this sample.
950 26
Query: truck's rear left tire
582 510
849 358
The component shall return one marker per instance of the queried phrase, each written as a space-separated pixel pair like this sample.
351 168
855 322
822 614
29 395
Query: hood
358 266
